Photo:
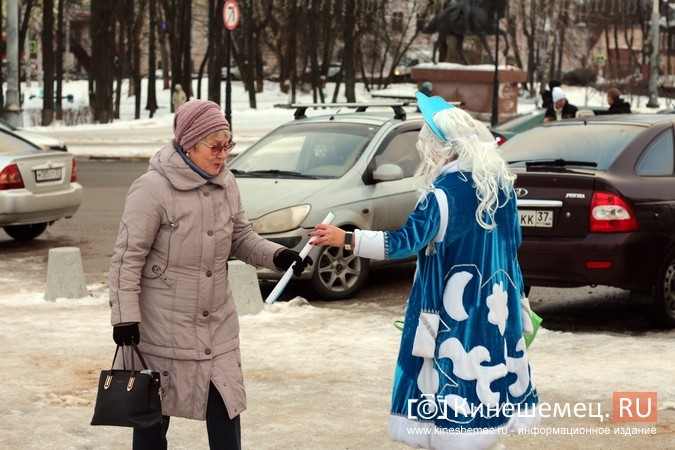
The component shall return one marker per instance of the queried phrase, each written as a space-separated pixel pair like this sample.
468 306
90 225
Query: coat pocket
154 276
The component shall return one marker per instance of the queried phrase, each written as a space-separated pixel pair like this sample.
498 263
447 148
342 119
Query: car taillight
500 140
73 173
10 178
611 214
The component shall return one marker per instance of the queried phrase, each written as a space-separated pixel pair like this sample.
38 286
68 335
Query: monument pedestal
474 86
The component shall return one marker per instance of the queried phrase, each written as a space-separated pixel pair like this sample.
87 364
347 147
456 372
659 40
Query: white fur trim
369 244
424 344
428 379
526 315
442 200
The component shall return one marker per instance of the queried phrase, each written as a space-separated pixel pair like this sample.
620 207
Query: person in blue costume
462 375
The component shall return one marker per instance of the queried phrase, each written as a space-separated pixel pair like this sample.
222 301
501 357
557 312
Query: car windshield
313 150
598 144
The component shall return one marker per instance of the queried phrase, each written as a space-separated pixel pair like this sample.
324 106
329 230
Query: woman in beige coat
169 292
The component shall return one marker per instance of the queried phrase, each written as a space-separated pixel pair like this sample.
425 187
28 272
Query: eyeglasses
216 149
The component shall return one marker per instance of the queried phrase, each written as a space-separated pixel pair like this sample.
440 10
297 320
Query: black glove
286 257
124 334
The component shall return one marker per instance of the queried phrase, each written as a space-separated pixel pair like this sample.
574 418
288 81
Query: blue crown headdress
430 106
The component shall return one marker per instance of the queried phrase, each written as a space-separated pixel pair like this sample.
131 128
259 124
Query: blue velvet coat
469 281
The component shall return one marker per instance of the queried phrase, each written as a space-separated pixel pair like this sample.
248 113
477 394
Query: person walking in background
462 349
427 88
617 105
561 108
169 290
178 97
547 96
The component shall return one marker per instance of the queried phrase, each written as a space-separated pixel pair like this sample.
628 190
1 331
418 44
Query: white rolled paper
281 285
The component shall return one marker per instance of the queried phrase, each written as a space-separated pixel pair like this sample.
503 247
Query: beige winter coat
169 272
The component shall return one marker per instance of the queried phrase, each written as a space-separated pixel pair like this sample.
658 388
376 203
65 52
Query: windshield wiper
557 163
275 172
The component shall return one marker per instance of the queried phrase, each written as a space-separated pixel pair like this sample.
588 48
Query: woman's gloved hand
286 257
125 334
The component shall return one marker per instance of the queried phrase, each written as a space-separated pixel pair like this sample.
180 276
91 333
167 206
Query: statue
467 18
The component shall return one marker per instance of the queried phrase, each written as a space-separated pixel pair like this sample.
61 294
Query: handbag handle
132 378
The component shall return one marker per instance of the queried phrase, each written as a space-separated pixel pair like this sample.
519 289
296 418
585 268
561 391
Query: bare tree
178 19
103 59
48 61
151 103
60 48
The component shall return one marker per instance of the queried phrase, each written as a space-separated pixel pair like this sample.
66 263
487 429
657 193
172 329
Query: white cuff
424 344
369 244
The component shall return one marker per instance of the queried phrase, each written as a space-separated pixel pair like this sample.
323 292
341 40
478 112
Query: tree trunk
60 48
48 61
349 49
103 60
151 104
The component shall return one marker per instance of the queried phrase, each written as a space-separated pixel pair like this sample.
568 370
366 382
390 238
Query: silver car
41 140
359 165
37 187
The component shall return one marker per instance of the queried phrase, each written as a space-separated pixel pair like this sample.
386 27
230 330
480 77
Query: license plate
536 218
48 174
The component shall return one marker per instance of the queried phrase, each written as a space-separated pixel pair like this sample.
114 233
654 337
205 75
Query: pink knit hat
195 120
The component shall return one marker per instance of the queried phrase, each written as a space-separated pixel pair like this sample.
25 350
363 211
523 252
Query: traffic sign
231 14
600 59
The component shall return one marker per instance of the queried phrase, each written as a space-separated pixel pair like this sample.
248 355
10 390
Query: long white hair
470 143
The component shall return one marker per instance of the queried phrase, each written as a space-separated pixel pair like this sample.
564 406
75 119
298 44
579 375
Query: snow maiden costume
462 366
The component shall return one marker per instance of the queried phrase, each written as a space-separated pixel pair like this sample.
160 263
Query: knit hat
195 120
557 94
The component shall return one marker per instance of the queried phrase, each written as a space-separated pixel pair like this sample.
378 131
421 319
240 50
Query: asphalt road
94 229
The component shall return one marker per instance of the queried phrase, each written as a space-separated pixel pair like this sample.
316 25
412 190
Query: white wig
470 143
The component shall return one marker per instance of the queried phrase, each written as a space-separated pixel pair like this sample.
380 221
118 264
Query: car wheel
339 274
25 232
662 310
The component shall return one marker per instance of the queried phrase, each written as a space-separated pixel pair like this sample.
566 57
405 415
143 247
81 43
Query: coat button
205 313
206 194
208 273
210 232
207 351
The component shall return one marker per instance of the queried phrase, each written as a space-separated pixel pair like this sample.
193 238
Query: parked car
517 124
37 187
358 164
524 121
596 199
41 140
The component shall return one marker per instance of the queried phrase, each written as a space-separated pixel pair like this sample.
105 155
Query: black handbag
128 398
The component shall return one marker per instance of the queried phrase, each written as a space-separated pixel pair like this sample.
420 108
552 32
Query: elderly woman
169 291
462 375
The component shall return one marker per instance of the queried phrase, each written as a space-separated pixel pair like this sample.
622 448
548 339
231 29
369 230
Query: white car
41 140
37 187
359 165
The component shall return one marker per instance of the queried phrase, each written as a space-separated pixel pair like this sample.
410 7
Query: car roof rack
301 108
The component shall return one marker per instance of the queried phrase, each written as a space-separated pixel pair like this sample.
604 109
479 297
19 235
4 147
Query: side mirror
388 172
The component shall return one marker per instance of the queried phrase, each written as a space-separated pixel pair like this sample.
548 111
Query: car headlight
281 220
